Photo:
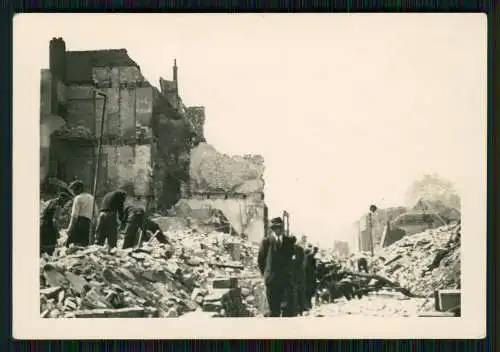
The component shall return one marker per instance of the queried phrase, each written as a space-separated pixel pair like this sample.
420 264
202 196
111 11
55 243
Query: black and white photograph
189 169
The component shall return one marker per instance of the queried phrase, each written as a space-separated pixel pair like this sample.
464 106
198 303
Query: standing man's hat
276 222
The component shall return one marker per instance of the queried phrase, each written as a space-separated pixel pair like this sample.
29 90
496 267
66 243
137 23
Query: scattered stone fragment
50 292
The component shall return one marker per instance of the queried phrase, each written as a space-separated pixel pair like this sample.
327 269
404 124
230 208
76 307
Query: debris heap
211 171
213 273
424 262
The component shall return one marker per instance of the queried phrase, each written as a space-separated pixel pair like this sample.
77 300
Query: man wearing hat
81 215
272 262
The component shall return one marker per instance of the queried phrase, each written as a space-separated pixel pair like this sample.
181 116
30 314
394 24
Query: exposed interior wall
246 215
126 159
212 171
122 166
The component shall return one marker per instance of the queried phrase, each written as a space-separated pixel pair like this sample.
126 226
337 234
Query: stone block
215 295
77 282
154 275
215 306
50 292
133 312
449 299
225 282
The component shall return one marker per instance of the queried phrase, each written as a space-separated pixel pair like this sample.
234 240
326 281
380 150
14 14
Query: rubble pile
424 262
74 131
211 171
210 272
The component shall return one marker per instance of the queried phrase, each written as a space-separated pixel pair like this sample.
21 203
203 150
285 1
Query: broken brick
50 292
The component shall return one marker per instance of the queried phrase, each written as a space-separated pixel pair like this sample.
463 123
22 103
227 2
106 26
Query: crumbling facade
153 145
71 114
126 156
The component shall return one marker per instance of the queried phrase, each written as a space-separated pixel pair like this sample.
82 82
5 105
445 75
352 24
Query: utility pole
286 224
373 209
98 161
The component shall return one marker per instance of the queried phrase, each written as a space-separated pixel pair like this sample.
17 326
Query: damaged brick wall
129 167
126 158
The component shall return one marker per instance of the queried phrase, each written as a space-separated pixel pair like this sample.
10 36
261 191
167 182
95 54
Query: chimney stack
57 58
175 70
57 66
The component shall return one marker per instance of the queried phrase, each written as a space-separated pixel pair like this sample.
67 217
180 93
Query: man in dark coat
136 220
48 231
107 224
300 278
291 291
272 262
310 274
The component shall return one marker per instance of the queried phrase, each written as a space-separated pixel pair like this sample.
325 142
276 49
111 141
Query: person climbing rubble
81 214
48 229
136 220
107 224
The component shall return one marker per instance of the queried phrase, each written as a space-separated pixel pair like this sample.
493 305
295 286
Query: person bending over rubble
363 265
107 224
48 230
272 261
81 215
136 220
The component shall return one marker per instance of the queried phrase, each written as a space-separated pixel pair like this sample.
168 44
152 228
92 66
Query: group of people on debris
113 216
289 272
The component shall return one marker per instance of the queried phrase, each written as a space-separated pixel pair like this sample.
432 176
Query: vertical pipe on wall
98 161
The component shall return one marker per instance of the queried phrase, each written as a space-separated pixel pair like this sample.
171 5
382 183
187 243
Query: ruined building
71 115
153 144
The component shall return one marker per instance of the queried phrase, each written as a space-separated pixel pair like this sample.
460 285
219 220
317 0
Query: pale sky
347 109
